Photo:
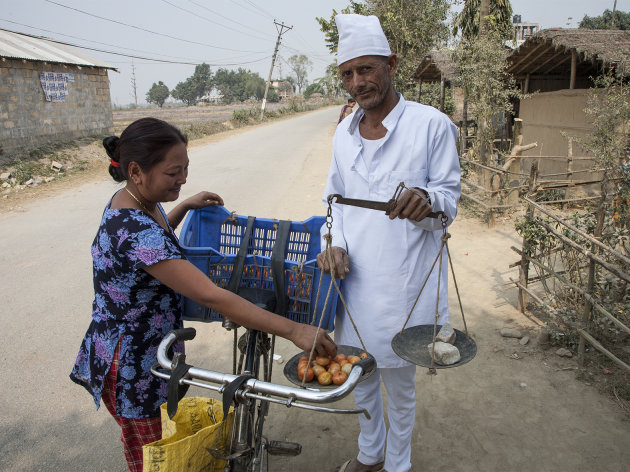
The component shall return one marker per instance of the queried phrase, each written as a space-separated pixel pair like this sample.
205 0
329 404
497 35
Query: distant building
213 96
522 31
49 92
438 67
556 67
283 88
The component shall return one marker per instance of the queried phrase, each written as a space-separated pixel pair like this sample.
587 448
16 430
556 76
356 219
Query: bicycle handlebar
255 385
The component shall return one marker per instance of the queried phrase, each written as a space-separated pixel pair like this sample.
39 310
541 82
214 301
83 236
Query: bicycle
271 264
249 448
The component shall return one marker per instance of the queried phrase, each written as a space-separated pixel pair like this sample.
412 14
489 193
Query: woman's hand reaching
202 200
303 336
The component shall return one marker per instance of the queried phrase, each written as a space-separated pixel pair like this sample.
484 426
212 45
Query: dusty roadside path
501 412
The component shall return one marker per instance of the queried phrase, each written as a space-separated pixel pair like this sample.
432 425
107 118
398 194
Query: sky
168 37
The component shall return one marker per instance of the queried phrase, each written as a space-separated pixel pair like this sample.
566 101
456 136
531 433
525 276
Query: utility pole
282 28
612 22
133 84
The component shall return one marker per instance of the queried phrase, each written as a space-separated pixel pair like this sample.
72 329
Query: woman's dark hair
145 141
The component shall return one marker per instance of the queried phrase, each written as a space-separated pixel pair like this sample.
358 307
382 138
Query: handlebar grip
184 334
367 364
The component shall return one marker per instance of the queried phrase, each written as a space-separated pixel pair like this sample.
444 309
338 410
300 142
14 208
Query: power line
229 19
139 57
316 57
260 9
248 9
146 30
92 41
197 15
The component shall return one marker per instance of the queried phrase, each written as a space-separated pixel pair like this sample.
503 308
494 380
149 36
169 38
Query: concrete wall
546 116
28 121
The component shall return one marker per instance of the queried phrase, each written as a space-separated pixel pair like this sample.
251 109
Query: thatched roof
548 52
434 64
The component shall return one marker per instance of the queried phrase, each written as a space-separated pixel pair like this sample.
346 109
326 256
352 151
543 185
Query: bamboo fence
598 257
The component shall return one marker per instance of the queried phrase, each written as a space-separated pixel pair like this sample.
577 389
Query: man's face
368 79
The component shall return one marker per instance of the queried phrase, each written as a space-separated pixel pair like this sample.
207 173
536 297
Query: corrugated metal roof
37 48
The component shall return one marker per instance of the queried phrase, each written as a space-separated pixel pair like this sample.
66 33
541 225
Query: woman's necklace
142 204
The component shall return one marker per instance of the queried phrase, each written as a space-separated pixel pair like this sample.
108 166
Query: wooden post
464 141
523 270
442 85
573 68
569 168
494 198
515 167
590 283
526 87
419 89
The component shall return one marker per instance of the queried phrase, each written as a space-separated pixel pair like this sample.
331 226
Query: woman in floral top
140 275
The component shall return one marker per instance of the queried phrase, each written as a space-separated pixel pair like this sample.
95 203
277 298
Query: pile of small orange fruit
327 369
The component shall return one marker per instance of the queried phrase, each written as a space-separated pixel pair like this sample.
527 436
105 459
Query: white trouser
400 386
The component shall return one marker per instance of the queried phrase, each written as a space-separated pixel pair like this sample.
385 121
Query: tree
331 82
431 95
158 94
605 21
272 96
329 27
291 81
499 19
488 88
195 86
300 65
413 28
240 85
254 87
313 88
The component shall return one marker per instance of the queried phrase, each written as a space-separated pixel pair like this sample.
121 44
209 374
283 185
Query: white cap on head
360 35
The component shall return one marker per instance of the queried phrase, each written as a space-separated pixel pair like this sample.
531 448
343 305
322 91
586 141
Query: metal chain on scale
328 254
333 281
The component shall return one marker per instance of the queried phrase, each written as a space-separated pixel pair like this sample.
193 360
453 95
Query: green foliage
158 94
608 105
431 96
500 19
300 65
536 237
605 21
331 82
272 96
195 86
487 85
549 195
329 27
313 88
239 85
412 27
242 117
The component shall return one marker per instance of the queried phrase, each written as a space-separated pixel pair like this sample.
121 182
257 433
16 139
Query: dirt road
513 408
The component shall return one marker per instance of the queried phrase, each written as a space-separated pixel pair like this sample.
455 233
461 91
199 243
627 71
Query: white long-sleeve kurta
389 259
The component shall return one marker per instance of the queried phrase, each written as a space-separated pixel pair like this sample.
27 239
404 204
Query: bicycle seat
262 298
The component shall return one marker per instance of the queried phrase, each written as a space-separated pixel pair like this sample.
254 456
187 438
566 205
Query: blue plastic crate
211 238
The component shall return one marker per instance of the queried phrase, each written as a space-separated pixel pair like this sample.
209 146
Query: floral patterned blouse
130 307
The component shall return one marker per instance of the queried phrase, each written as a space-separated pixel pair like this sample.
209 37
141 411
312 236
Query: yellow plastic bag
198 426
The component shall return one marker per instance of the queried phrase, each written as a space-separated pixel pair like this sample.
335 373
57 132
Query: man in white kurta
384 260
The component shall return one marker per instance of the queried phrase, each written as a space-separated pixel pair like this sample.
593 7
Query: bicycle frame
248 447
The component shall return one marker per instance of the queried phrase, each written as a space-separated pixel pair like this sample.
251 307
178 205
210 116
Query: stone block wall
28 121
